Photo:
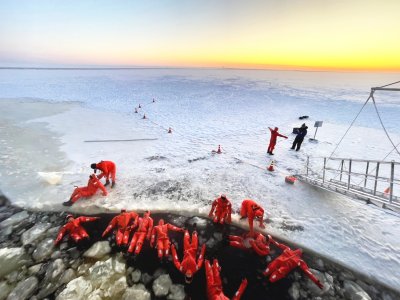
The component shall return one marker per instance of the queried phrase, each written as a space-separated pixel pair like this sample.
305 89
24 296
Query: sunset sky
288 34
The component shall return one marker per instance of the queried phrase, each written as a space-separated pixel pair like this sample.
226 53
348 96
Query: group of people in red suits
132 230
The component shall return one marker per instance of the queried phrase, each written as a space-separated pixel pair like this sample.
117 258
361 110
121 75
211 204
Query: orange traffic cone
271 166
219 151
144 116
170 130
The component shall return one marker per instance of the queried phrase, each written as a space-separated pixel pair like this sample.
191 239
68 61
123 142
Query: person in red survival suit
92 186
163 242
143 231
189 265
214 284
223 210
124 223
286 262
74 228
272 141
108 169
256 242
251 210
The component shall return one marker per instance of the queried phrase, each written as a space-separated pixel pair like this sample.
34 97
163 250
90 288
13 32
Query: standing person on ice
300 137
252 210
223 210
272 141
108 169
93 185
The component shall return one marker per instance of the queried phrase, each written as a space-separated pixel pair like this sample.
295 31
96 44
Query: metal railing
357 177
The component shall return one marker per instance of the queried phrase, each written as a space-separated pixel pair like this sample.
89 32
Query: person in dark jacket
300 137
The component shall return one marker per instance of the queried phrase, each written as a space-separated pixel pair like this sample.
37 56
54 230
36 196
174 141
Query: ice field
47 115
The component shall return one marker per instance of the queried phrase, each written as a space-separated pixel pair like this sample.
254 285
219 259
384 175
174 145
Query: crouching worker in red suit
252 210
214 284
272 141
163 242
108 169
256 242
143 231
221 210
286 262
93 185
74 228
124 223
189 265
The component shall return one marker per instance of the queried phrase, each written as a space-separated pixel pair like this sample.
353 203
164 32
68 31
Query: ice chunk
98 250
68 276
51 177
137 292
5 289
14 219
135 275
24 289
353 291
177 292
162 285
35 233
43 250
77 289
11 259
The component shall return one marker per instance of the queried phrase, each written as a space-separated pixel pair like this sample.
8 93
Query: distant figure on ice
163 243
256 242
252 210
286 262
300 137
92 186
143 231
74 228
190 264
272 141
108 169
123 224
221 210
214 283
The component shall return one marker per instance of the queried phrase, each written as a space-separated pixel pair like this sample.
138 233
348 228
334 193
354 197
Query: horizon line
294 69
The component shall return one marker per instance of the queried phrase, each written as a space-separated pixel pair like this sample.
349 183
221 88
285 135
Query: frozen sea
47 115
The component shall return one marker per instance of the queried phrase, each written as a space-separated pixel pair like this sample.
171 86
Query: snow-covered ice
43 153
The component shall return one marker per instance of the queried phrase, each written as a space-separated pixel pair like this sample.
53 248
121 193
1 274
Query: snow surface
43 153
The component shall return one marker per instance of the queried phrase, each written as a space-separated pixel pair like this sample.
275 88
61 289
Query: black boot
68 203
107 182
112 184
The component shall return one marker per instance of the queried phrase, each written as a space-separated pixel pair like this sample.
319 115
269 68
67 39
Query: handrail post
308 161
348 179
391 181
323 174
376 177
341 170
366 175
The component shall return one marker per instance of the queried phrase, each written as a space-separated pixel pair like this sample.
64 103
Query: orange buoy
290 179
